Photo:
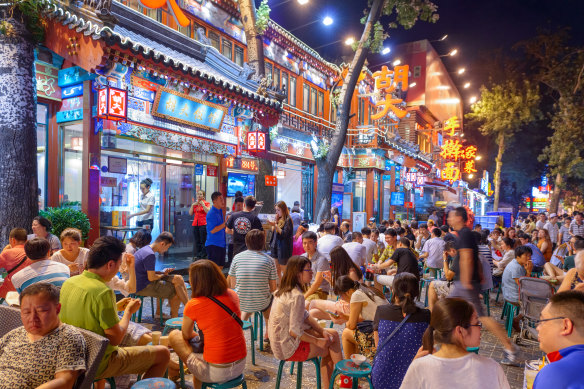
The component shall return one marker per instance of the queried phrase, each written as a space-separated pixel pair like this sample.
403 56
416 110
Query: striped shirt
252 271
577 229
486 252
41 271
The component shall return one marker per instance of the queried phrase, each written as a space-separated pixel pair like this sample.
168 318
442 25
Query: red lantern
256 141
112 103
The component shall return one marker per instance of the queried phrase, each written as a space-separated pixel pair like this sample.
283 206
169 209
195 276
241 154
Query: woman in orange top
199 209
544 244
223 357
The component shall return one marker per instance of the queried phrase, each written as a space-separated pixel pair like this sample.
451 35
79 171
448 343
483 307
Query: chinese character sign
453 149
117 103
102 102
387 81
451 172
112 103
451 125
469 166
173 7
256 141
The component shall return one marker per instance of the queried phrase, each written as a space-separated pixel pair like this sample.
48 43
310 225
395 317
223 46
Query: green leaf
63 218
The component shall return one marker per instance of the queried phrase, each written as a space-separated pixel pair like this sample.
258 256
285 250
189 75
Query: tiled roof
155 51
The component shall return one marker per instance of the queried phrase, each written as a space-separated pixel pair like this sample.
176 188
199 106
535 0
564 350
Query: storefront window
320 104
214 38
285 83
307 190
292 98
359 191
268 68
227 49
238 55
276 77
42 122
72 165
313 101
289 175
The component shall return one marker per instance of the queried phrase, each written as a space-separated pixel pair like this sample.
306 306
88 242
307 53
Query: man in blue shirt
561 336
151 283
536 256
215 244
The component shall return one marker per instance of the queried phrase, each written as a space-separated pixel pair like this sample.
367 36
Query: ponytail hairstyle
405 290
341 264
447 314
344 284
147 182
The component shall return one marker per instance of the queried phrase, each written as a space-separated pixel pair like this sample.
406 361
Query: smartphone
335 315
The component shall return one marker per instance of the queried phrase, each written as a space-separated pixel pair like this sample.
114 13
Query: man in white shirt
433 250
329 240
552 227
370 245
356 250
541 222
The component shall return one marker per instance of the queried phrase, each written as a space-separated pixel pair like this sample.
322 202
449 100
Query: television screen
397 198
242 182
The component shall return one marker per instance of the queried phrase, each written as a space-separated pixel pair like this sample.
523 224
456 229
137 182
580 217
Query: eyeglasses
307 270
479 324
538 321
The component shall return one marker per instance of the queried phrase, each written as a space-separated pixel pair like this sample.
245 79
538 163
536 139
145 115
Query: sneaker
511 356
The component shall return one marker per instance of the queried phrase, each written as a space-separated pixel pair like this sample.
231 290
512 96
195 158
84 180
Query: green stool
299 373
486 298
509 312
172 324
139 318
111 381
536 274
151 383
348 368
499 291
425 282
248 326
234 383
258 323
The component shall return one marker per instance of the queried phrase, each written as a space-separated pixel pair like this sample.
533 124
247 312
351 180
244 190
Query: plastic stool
248 326
258 323
158 383
348 368
172 324
509 312
153 310
299 373
111 381
498 292
425 282
234 383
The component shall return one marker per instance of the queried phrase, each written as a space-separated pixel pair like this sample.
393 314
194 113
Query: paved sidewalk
263 374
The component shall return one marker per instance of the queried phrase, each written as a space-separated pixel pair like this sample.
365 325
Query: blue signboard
397 182
144 94
72 91
397 198
73 76
338 188
188 110
388 165
69 116
199 170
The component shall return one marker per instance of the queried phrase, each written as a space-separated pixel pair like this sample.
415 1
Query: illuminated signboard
112 103
242 163
453 149
387 81
188 110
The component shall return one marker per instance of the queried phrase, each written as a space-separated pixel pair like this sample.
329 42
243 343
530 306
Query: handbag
386 340
198 342
365 326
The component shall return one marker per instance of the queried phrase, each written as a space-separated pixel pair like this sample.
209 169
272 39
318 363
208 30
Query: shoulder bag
198 342
386 340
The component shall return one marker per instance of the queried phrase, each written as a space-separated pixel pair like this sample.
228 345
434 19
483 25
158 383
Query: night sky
474 27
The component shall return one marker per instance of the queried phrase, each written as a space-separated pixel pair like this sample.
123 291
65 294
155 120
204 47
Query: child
519 267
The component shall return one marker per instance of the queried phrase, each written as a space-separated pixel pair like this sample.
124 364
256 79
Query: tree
254 24
559 68
502 110
21 27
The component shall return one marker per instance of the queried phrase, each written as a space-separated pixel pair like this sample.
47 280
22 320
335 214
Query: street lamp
386 51
471 175
441 39
478 158
349 41
301 2
327 21
473 100
396 62
466 85
461 70
413 84
452 53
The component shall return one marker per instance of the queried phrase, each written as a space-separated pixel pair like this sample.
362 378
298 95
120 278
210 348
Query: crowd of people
367 282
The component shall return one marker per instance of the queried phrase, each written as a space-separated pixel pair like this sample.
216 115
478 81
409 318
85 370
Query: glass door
180 194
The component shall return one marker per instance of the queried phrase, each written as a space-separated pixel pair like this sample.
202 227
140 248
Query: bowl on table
358 359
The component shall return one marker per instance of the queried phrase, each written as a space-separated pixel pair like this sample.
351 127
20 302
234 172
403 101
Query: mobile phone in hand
333 314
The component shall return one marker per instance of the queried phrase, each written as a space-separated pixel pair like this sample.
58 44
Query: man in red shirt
13 258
